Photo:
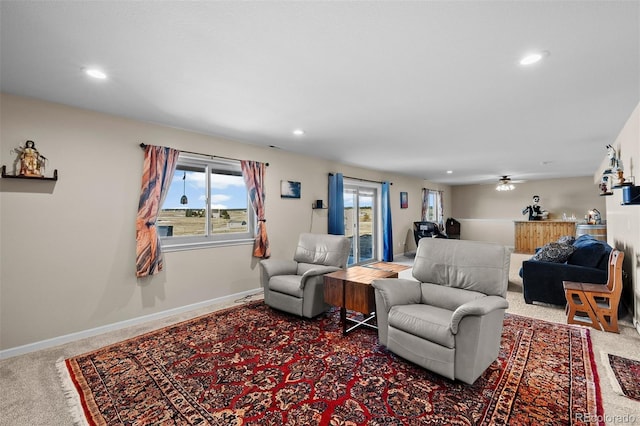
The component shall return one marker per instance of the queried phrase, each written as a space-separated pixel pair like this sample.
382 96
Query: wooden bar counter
531 234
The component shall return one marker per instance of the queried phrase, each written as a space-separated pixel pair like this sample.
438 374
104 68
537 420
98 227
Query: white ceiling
416 88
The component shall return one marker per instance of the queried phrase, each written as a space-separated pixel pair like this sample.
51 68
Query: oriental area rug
625 374
252 365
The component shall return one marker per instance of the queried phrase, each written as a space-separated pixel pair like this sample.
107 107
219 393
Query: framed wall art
289 189
404 200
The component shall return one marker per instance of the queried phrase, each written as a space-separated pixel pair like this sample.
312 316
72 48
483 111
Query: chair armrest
274 267
320 270
397 291
478 307
314 272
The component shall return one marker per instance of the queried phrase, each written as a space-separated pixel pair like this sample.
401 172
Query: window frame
434 195
211 165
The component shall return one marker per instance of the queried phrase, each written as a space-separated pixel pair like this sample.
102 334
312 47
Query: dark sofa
587 262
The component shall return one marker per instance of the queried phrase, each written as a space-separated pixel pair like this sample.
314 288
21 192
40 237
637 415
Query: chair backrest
426 230
471 265
614 279
323 249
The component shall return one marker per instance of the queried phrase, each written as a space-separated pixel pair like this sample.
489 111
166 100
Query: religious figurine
31 162
535 211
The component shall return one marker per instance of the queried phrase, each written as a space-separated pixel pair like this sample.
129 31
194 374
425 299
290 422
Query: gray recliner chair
297 286
450 320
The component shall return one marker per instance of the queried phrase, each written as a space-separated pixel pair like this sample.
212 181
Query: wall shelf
319 205
9 176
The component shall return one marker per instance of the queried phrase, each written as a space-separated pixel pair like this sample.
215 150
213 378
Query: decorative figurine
615 168
614 161
604 186
535 211
31 162
594 217
621 179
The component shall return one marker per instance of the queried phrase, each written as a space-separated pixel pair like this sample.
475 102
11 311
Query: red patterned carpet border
252 365
627 373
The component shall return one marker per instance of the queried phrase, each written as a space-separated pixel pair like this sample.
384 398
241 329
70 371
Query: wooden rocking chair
596 305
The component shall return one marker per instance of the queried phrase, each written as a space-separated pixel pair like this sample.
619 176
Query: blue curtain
336 204
387 234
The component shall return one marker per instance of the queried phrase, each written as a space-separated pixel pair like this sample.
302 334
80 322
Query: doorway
362 221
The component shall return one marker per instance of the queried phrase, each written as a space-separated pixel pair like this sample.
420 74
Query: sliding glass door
361 222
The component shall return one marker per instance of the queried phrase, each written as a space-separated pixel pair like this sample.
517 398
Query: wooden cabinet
530 235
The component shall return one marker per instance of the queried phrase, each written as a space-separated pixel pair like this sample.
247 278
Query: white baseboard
56 341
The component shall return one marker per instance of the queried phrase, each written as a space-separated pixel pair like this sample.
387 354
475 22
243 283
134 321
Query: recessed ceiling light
449 172
95 73
533 57
298 132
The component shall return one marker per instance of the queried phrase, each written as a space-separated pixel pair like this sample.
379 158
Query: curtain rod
144 145
365 180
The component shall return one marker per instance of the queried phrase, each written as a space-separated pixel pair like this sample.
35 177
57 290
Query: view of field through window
184 211
360 219
185 222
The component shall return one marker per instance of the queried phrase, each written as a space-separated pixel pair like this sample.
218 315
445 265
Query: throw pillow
584 240
554 252
567 239
590 255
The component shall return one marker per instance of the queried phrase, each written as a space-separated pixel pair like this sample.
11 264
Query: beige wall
488 215
623 230
67 249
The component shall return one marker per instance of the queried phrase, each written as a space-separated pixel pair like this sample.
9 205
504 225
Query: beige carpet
31 392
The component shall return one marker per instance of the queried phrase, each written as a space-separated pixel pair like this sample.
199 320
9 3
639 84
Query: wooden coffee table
351 290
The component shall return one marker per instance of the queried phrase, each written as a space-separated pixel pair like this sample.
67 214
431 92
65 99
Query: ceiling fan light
505 187
504 184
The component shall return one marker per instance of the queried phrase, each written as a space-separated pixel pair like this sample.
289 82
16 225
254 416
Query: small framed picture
404 200
289 189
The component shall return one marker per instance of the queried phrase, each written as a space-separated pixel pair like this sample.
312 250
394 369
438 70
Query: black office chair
426 230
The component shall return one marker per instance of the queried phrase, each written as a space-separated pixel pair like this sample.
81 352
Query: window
207 205
432 207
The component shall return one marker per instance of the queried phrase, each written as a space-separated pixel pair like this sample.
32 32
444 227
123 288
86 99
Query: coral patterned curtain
425 204
158 168
440 210
253 173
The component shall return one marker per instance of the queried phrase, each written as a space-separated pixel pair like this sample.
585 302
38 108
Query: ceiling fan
506 184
